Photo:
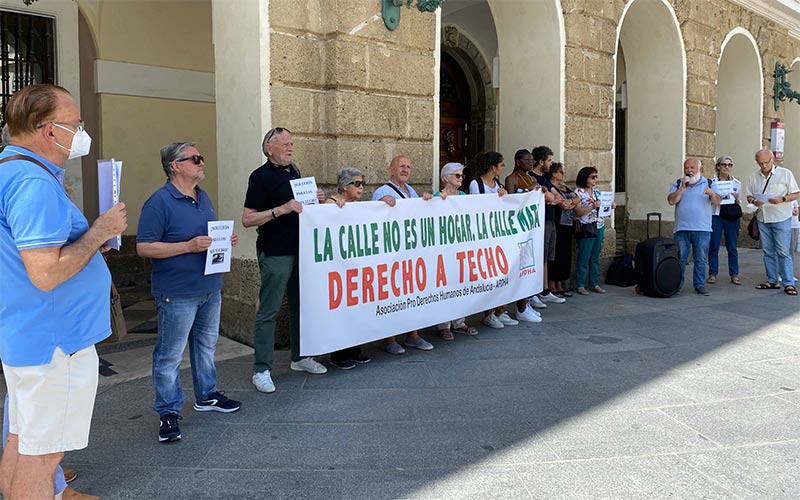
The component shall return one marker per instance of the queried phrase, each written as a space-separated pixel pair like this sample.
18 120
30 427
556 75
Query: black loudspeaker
658 264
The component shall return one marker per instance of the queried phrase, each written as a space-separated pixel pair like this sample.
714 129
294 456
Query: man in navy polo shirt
173 232
270 206
55 291
692 197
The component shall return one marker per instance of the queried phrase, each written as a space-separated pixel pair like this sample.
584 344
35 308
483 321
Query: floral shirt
587 198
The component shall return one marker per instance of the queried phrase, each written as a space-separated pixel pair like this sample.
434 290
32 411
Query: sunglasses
358 184
726 164
196 159
459 176
273 131
593 176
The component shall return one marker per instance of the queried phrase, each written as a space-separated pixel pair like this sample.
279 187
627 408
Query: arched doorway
654 77
739 103
791 155
454 112
531 74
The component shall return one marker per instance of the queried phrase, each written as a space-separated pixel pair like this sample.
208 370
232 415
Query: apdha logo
527 262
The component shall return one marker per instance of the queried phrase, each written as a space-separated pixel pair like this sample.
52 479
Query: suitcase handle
653 214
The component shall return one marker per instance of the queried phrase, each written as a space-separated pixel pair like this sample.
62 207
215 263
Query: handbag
584 230
752 227
118 327
731 212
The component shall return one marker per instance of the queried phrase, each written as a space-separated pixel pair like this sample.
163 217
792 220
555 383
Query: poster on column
369 271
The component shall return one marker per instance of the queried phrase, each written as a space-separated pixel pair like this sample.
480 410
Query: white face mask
81 143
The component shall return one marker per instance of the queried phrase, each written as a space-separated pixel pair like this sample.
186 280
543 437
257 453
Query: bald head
765 160
400 169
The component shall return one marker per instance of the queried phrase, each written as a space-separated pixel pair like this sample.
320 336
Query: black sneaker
702 291
363 359
347 364
169 430
218 402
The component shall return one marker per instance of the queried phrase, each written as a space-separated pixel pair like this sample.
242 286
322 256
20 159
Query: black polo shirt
549 210
268 188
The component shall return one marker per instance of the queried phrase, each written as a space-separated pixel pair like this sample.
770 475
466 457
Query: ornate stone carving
450 38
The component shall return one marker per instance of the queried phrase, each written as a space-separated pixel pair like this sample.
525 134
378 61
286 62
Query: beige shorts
50 406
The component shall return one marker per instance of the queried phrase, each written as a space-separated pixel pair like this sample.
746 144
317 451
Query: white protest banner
218 255
305 190
109 176
370 271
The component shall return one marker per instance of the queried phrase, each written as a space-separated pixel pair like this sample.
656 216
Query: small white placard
218 255
606 199
725 191
109 175
305 190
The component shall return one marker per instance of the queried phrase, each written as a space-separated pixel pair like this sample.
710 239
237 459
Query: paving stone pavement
613 396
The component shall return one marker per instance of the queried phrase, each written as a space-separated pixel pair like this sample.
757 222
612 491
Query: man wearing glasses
270 206
694 199
173 232
54 302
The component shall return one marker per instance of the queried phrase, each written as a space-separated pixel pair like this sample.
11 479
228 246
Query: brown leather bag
752 228
118 327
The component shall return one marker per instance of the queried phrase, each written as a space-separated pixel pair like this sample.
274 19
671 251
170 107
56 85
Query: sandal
768 286
790 290
735 280
466 330
565 293
711 280
446 335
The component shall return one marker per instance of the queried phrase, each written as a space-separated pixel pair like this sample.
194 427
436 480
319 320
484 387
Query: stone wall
354 94
591 33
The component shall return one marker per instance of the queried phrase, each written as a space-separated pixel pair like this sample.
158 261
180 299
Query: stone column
352 92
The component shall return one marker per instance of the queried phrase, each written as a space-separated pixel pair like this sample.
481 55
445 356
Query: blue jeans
775 242
180 320
698 242
588 261
59 483
731 230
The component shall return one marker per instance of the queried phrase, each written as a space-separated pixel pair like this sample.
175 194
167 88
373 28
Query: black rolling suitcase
658 264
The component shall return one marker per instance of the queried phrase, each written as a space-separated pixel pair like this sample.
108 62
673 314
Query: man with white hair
693 198
779 187
270 206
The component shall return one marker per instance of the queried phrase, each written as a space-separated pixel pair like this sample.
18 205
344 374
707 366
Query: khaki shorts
50 406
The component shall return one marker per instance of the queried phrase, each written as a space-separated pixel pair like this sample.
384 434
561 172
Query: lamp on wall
782 89
390 9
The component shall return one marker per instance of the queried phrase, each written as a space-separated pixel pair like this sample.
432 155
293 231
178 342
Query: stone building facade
629 86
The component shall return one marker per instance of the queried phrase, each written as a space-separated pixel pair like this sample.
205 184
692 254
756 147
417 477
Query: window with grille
27 48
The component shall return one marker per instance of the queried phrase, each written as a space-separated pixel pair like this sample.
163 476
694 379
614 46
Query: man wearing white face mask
693 198
54 302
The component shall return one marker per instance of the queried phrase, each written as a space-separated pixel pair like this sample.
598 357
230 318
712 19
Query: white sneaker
507 320
263 382
537 303
308 365
529 315
553 298
492 322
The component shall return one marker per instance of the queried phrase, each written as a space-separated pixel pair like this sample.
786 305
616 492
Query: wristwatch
783 199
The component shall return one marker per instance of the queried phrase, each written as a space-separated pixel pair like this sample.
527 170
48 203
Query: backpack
481 187
621 271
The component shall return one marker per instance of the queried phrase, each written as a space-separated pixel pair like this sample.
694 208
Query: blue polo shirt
35 212
693 212
170 216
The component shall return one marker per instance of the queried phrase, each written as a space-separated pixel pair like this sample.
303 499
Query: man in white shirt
777 188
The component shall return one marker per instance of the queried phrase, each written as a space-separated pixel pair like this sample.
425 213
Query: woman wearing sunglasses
349 188
725 219
587 209
452 176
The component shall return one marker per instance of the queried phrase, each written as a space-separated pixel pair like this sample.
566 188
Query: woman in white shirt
725 219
